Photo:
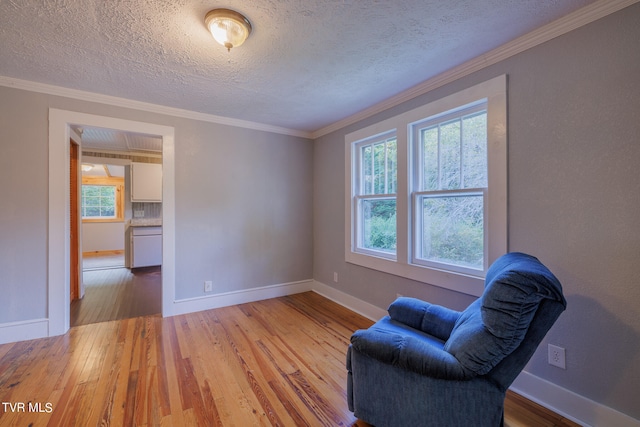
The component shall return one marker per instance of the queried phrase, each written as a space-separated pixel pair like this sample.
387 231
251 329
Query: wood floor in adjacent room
114 293
274 362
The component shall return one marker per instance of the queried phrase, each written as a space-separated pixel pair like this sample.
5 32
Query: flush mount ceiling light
86 167
228 27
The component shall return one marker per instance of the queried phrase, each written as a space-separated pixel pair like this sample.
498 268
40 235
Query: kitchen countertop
145 222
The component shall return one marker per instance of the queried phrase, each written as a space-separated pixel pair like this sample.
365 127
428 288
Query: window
376 196
102 199
426 191
98 201
450 188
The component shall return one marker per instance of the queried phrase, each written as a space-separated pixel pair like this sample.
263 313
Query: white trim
568 404
570 22
58 228
24 330
208 302
144 106
354 304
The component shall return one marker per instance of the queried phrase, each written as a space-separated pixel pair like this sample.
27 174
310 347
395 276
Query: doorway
113 290
60 122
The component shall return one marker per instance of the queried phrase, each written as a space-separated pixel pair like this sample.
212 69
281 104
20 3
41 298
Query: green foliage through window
98 201
378 166
453 158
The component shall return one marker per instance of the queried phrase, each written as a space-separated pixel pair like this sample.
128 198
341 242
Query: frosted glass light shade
228 27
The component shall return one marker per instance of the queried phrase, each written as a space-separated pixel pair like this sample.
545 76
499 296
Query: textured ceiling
307 64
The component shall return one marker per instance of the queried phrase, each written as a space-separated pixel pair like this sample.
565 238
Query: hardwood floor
274 362
118 293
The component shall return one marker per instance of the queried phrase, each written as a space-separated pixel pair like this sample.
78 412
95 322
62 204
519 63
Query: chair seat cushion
396 344
494 325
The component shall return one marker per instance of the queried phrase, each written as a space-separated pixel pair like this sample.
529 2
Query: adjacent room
203 202
121 232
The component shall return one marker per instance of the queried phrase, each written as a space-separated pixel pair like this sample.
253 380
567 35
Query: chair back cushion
495 324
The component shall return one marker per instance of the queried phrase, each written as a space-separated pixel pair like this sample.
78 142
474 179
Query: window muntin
450 188
98 201
375 195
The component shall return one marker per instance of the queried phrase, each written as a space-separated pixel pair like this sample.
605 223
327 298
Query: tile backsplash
151 210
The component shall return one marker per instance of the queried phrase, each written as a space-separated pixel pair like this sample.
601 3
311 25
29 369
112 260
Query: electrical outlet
208 286
138 214
335 277
557 356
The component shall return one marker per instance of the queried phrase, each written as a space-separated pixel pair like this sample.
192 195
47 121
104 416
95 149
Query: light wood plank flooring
274 362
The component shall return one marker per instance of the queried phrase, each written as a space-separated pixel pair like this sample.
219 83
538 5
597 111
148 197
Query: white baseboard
570 405
23 331
208 302
363 308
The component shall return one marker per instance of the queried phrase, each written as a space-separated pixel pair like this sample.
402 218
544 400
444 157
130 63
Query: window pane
453 230
107 211
367 170
378 166
392 166
450 155
378 225
91 201
92 211
474 157
90 191
98 201
379 163
430 175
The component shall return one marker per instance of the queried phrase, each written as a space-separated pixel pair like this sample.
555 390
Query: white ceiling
307 64
114 140
102 170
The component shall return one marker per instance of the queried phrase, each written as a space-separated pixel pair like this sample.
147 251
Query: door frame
76 287
58 267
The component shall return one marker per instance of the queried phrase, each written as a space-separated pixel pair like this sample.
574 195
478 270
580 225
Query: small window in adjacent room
426 191
102 199
98 201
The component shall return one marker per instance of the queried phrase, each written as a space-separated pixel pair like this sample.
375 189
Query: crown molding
570 22
144 106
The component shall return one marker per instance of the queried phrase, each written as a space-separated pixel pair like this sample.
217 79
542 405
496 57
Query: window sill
458 282
103 220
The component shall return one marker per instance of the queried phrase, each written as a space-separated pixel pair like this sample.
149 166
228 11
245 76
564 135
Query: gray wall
574 186
243 203
243 209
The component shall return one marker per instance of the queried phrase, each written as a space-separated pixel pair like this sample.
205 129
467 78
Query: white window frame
360 194
418 194
494 91
99 217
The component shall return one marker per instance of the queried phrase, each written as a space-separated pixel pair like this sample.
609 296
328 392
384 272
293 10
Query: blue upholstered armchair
427 365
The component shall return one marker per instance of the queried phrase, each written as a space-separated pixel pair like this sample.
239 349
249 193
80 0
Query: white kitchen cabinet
146 182
146 246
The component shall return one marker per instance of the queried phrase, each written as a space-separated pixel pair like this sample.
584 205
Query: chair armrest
430 318
409 353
